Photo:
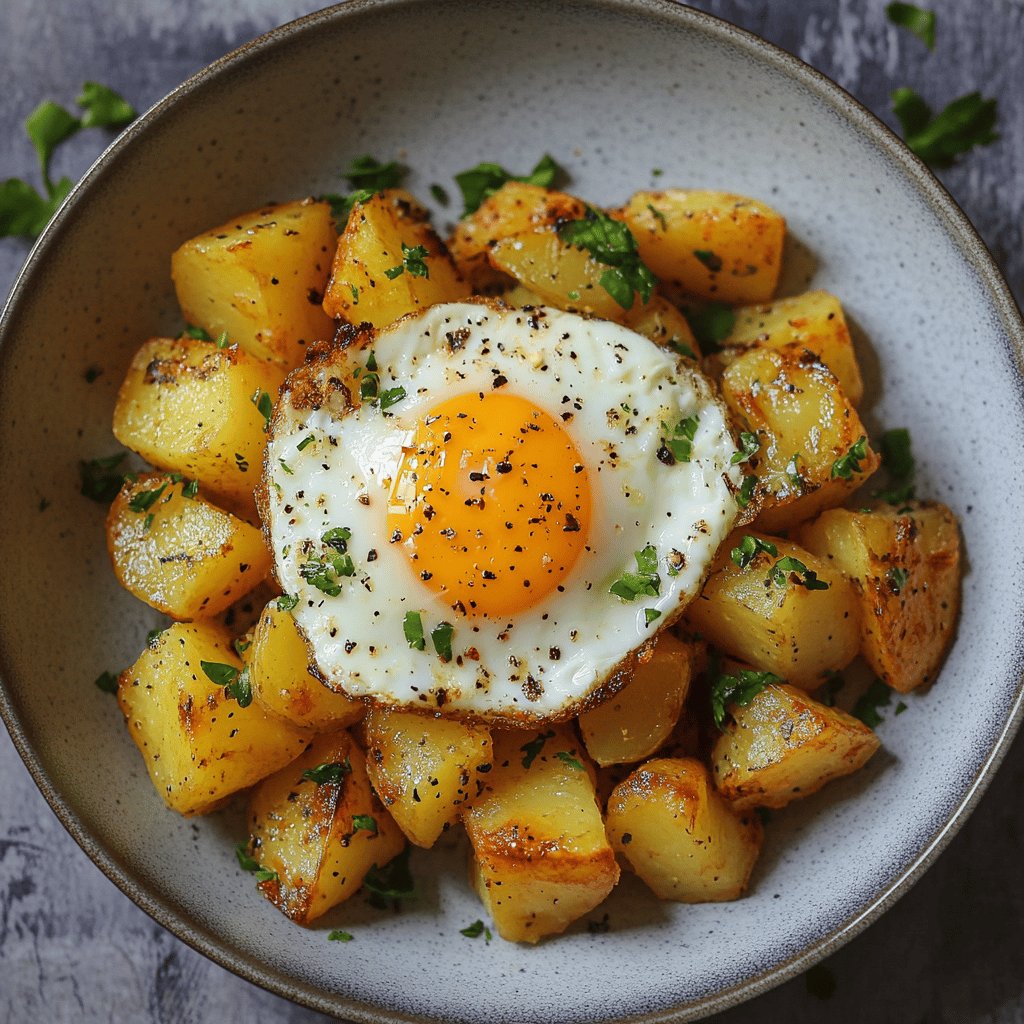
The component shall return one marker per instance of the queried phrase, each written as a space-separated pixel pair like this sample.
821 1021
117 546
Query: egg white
612 389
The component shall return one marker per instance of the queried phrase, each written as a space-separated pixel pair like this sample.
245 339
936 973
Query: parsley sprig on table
24 210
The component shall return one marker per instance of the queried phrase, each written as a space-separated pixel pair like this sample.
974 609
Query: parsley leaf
195 333
391 396
339 935
286 602
645 581
414 260
441 637
107 682
749 446
612 243
749 548
566 758
739 689
324 573
915 19
940 138
266 875
866 709
367 172
245 861
475 930
104 108
846 465
265 406
533 747
711 325
677 441
412 626
48 126
143 501
898 461
364 822
337 537
785 569
99 481
897 579
651 615
23 211
710 260
834 682
341 206
745 494
391 883
482 181
328 772
236 683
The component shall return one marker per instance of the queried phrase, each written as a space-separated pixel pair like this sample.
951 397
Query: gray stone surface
72 948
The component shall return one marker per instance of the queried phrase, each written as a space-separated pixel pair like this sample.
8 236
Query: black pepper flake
396 536
571 524
371 555
426 575
488 575
506 467
500 381
350 646
554 653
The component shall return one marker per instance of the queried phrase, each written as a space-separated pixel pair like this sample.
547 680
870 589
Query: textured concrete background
72 948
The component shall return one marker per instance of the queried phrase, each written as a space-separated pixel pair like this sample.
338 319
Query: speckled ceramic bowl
613 90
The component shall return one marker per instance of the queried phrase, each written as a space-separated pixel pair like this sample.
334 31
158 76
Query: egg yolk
491 503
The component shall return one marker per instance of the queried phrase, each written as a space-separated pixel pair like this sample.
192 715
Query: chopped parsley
739 689
100 482
792 570
475 930
195 333
391 883
534 747
749 548
337 537
793 473
324 573
288 469
877 695
364 823
107 682
265 406
612 243
710 260
900 708
392 396
834 682
286 602
566 758
328 773
938 139
745 494
914 19
339 935
266 875
898 462
236 682
305 443
749 446
711 325
240 645
245 861
143 501
412 626
222 340
440 194
846 465
651 615
658 216
644 582
366 176
482 181
413 260
677 441
441 637
897 579
189 489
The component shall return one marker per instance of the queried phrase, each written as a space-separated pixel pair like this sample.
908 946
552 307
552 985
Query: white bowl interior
612 91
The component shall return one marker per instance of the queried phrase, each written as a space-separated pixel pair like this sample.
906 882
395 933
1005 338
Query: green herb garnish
792 570
651 615
325 572
846 465
533 747
235 682
710 260
866 709
938 139
412 626
286 602
195 333
749 446
265 406
339 935
745 494
245 861
566 758
99 481
390 397
329 772
749 548
190 489
834 682
677 441
898 462
143 501
441 637
475 930
414 260
644 582
266 875
485 179
897 579
711 325
364 822
305 443
391 883
107 682
739 689
915 19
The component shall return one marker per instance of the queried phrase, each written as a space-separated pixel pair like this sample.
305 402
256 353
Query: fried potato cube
319 837
514 209
783 745
712 245
814 450
278 663
180 554
814 320
638 719
425 769
193 408
680 836
774 615
199 744
541 858
260 279
905 567
389 262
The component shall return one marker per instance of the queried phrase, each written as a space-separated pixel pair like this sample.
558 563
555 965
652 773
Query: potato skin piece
680 836
784 745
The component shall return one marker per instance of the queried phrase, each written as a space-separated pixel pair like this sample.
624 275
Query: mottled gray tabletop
73 948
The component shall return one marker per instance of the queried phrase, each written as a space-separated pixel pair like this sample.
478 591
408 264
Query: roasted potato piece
278 663
425 769
516 208
541 858
180 554
814 320
814 450
711 245
638 719
660 321
321 835
191 407
905 567
783 745
680 836
199 744
775 616
380 271
260 279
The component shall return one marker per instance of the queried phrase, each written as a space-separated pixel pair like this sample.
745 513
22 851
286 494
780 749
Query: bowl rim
961 232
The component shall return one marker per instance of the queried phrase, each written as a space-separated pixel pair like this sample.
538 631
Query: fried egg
493 511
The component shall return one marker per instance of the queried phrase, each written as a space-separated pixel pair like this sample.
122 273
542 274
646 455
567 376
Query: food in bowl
541 474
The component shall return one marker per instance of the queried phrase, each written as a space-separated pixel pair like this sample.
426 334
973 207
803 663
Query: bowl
625 94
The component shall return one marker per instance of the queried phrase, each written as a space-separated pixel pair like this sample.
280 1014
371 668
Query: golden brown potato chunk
814 450
200 745
278 663
190 407
541 858
177 552
905 567
426 769
319 827
788 612
783 745
260 279
680 836
638 719
712 245
390 262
